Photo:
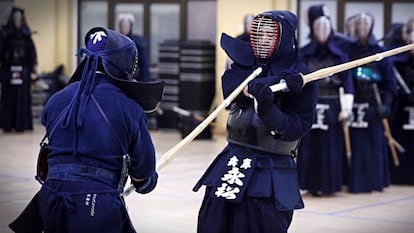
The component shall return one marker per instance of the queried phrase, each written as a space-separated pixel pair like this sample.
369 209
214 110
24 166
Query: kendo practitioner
370 169
322 150
252 185
402 124
98 135
126 25
18 60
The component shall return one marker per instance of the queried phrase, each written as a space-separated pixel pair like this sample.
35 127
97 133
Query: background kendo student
252 186
321 155
98 135
402 119
370 167
18 61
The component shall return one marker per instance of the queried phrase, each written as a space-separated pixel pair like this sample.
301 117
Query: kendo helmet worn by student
408 31
350 26
115 55
322 29
314 12
17 21
273 32
364 25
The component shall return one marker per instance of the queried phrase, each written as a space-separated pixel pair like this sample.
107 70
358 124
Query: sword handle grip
279 87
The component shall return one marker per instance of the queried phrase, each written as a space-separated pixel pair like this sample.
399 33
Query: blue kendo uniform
96 168
402 124
252 185
96 133
320 168
370 169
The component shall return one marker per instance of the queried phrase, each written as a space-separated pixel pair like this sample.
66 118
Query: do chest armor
328 86
16 51
245 128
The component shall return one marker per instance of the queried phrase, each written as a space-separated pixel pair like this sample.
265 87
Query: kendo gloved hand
294 81
146 185
384 109
269 113
260 90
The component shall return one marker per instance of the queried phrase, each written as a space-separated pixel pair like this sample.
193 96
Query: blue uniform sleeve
147 185
142 152
346 77
33 55
232 78
347 82
388 84
294 118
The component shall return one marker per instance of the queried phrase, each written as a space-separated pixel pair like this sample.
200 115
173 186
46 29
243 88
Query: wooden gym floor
172 207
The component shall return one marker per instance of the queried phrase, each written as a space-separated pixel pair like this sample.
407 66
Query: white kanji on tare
247 163
359 121
233 161
227 191
232 180
97 36
320 117
233 176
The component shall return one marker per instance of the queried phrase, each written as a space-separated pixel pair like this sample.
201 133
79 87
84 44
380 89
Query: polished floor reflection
172 207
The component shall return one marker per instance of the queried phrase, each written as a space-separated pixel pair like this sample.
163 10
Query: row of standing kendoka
347 144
